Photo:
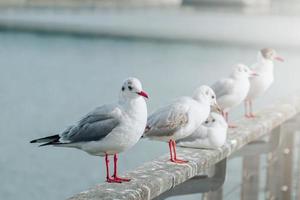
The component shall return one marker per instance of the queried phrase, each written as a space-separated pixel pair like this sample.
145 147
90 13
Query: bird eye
123 88
129 87
206 122
213 120
212 97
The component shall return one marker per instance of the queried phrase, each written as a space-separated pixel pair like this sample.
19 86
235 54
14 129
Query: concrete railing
158 176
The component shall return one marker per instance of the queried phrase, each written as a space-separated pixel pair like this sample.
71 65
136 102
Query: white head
206 94
215 120
269 54
131 89
242 71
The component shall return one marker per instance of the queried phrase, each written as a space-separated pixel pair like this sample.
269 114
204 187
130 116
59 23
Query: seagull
211 135
108 129
233 90
259 85
180 118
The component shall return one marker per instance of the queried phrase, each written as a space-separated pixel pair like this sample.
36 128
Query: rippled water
47 82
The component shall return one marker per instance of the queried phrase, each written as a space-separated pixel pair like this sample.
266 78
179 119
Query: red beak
143 94
279 58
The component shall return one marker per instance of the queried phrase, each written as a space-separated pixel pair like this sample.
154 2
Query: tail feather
47 140
48 143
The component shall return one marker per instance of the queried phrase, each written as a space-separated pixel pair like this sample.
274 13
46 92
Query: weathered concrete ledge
155 177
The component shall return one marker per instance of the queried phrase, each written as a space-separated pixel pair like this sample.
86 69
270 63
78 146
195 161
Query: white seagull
180 118
233 90
211 135
109 129
259 85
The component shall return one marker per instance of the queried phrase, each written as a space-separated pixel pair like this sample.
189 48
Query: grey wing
93 127
166 121
222 87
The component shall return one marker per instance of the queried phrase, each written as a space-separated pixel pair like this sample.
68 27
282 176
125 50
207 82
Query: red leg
251 110
227 119
223 114
108 179
115 176
175 160
171 154
247 115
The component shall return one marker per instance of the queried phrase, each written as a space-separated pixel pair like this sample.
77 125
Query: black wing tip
49 139
33 141
52 143
46 144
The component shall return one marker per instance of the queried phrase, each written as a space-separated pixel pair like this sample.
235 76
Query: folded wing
94 126
223 87
166 121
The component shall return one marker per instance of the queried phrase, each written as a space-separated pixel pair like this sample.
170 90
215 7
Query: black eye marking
129 87
206 122
123 88
212 97
213 120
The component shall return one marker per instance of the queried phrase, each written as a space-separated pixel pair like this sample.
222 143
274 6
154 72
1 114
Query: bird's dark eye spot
213 120
123 88
212 97
129 87
206 122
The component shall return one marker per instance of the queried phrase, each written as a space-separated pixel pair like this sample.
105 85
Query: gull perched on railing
233 90
259 85
211 135
109 129
180 118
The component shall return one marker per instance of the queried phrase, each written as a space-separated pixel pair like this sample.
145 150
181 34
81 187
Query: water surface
47 82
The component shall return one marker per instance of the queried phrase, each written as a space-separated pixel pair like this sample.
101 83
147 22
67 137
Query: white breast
260 84
211 138
123 137
238 94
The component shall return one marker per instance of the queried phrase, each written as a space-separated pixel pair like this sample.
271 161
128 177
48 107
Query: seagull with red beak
108 129
233 90
260 84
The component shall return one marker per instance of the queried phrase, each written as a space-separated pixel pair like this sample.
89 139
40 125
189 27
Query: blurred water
48 82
